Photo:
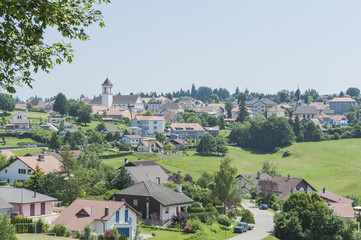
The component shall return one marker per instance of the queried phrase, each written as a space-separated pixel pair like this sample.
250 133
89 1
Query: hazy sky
165 45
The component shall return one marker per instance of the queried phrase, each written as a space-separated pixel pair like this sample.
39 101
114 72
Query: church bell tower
107 95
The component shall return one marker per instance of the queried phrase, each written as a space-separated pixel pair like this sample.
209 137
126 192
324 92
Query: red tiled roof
95 210
148 144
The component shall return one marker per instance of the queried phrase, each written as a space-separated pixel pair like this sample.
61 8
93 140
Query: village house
21 167
147 173
100 215
149 125
141 162
133 140
341 105
56 118
149 146
149 198
186 130
179 142
249 182
305 112
331 120
30 203
107 99
259 106
18 122
214 131
171 106
277 111
215 109
113 130
340 205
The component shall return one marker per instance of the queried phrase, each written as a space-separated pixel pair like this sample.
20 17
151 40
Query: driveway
263 226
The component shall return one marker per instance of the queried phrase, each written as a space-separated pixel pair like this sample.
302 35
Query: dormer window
82 213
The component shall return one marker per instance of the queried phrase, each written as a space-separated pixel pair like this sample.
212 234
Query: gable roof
22 195
179 141
306 110
342 99
58 156
285 185
50 163
149 118
133 136
112 129
20 121
146 163
265 101
165 196
125 99
251 180
344 210
186 127
148 173
148 144
95 210
334 197
169 105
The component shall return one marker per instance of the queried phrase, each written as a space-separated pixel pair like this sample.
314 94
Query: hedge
23 226
162 228
115 155
202 216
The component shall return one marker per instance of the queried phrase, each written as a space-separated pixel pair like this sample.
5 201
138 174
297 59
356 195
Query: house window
6 171
166 210
135 202
22 171
157 180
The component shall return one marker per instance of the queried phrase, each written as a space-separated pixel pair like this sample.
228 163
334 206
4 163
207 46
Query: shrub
60 230
195 224
211 208
196 210
202 216
187 229
247 216
224 220
109 235
275 206
259 201
87 232
286 154
41 226
231 214
180 219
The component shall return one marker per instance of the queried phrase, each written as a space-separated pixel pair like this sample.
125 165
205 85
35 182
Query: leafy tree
283 96
223 179
169 96
342 94
353 92
7 102
267 187
312 132
240 134
169 148
222 124
74 108
243 113
34 179
194 91
100 127
30 106
95 137
214 98
3 160
221 145
207 145
271 168
121 180
205 179
61 104
54 142
160 137
84 114
7 230
148 113
229 106
23 25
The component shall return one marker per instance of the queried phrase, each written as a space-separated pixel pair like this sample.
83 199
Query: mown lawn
335 165
27 236
14 142
270 238
22 152
42 115
94 124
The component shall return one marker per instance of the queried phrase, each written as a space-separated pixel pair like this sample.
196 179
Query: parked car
16 214
242 227
263 206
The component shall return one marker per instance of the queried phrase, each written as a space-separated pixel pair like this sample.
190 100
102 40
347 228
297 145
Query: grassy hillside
333 164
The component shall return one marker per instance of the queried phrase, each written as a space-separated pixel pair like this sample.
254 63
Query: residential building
259 106
214 131
113 130
147 173
151 198
186 130
21 167
56 118
288 185
322 108
340 205
170 116
149 125
305 112
144 163
107 99
133 140
18 116
30 203
5 207
171 106
331 120
100 215
215 109
341 105
36 102
149 146
277 111
248 182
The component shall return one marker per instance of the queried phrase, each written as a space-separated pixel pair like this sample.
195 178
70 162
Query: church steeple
107 95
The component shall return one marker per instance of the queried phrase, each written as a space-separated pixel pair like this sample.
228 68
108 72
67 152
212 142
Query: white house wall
13 172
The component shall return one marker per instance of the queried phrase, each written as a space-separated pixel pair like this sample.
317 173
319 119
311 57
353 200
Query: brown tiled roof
149 118
7 154
344 210
179 141
97 109
286 185
334 197
50 163
318 105
148 144
114 113
95 209
342 99
186 127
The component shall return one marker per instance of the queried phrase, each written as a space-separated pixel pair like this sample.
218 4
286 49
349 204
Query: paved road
264 223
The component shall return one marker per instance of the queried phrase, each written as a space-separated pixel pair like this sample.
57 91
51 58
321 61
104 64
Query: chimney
289 176
324 190
44 152
41 158
34 194
179 188
258 175
125 161
139 159
106 211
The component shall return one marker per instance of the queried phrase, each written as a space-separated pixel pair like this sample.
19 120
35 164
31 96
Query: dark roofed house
259 106
30 203
305 112
249 181
340 205
288 185
113 130
149 197
152 173
100 215
5 207
144 163
214 131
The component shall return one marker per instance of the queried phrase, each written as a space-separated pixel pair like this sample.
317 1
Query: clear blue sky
165 45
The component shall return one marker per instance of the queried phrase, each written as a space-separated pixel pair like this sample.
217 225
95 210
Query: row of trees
209 144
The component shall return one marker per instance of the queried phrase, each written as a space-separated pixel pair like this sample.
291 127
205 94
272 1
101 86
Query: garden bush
224 220
286 154
275 206
210 208
202 216
195 224
247 216
60 230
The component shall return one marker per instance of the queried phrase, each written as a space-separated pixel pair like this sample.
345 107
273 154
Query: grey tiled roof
263 100
107 82
306 110
125 99
4 204
22 195
148 173
165 196
96 100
